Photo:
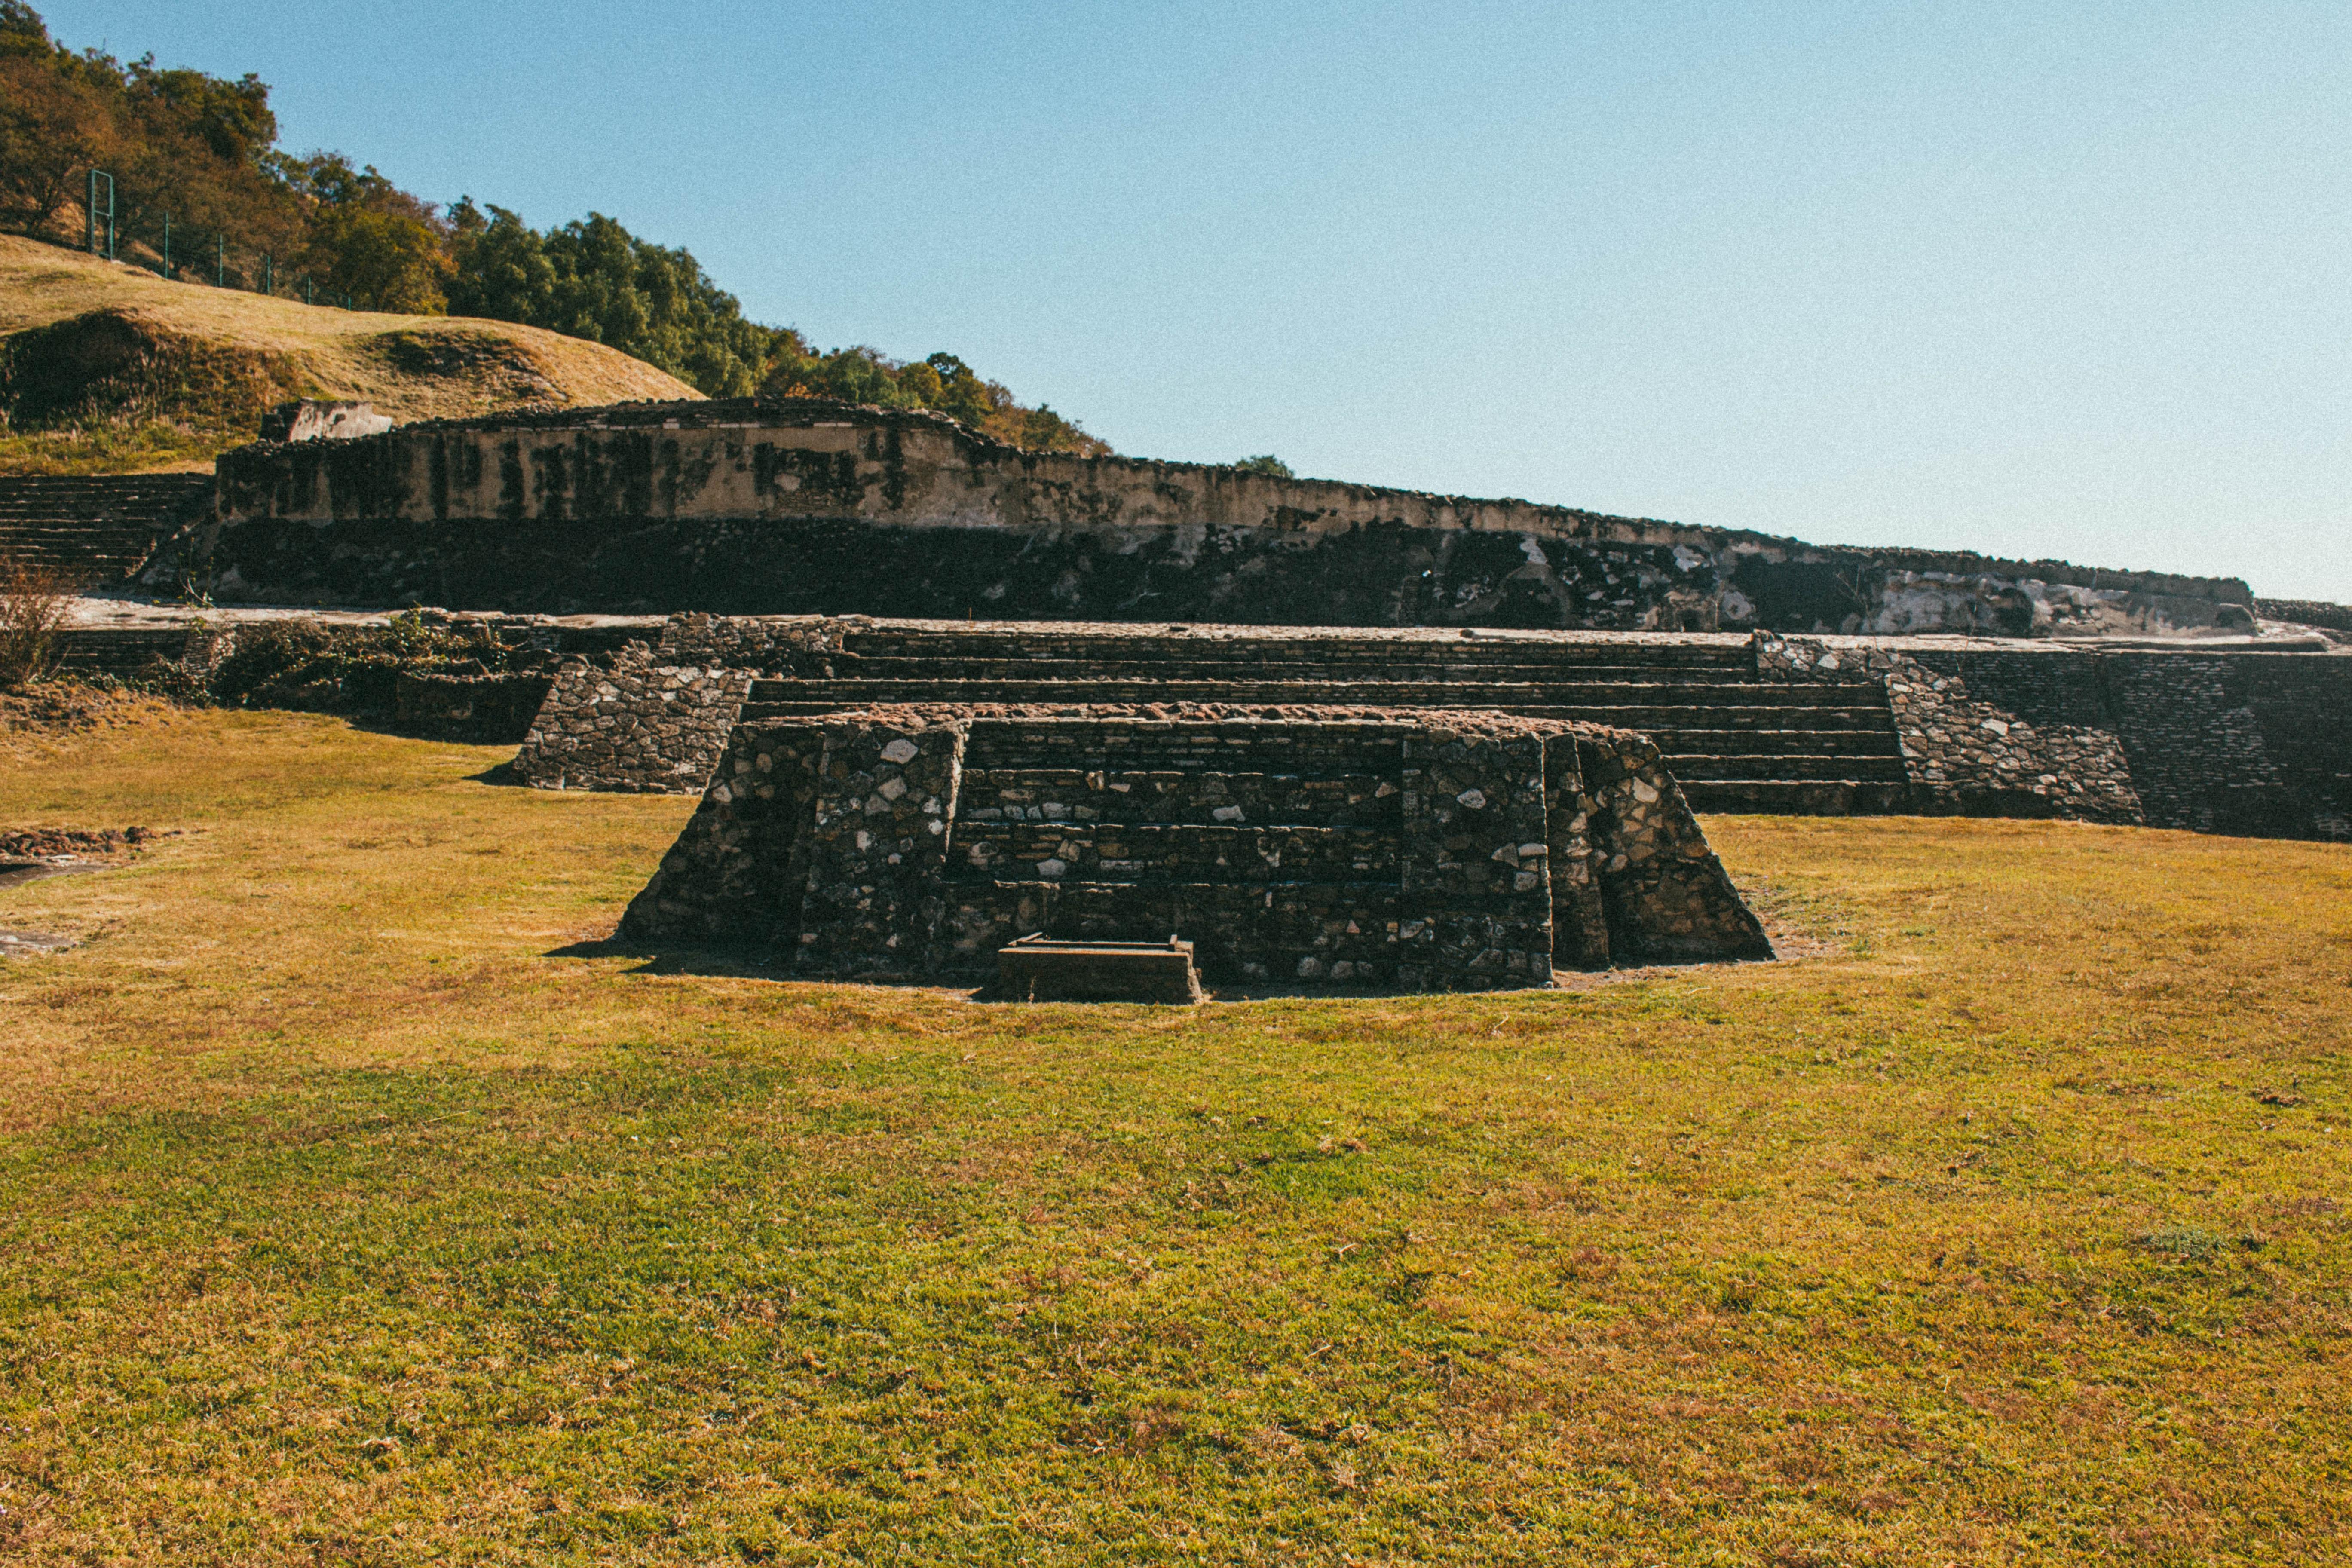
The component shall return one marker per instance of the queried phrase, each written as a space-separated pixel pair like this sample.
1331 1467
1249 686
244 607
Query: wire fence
207 255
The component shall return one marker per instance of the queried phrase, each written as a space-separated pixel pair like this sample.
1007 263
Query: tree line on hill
202 152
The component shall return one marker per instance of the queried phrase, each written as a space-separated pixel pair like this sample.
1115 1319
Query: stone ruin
805 506
1432 850
1299 686
2218 739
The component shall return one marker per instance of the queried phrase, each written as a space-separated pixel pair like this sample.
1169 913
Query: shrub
34 601
321 668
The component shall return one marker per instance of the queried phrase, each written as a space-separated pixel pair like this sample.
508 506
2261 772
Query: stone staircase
94 528
1109 831
1737 742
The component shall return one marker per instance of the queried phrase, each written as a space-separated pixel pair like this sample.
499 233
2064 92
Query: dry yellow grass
350 1211
411 367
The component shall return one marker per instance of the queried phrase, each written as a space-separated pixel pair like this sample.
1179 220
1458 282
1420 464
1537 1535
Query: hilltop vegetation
106 367
202 192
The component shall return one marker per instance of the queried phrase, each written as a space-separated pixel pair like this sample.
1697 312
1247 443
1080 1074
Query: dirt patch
30 944
16 873
49 846
34 718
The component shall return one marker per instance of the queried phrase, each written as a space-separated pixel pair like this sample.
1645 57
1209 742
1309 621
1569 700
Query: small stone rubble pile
76 843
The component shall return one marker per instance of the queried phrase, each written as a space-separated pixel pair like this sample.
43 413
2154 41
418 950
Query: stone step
1657 722
119 651
1158 796
1412 694
1279 927
1282 670
1228 746
1169 852
1246 646
1799 797
1776 742
1688 767
34 535
94 527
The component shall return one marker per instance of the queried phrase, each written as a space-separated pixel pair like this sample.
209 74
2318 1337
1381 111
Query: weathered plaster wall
805 507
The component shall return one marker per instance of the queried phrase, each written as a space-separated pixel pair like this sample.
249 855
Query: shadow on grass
678 958
749 964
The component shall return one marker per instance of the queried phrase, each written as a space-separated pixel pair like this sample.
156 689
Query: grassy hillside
350 1212
108 368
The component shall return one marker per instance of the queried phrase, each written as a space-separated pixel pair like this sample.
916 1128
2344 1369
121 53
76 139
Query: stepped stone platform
96 529
2235 738
1435 850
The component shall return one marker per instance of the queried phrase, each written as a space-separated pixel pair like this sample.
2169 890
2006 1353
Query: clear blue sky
2038 278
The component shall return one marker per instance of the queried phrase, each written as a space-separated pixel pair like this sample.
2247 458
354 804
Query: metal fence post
167 244
220 261
90 214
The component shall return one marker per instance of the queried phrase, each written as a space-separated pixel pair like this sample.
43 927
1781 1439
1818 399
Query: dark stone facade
481 709
1432 852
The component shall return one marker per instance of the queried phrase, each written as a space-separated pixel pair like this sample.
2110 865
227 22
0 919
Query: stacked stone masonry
1439 851
635 727
2239 741
2218 739
1966 756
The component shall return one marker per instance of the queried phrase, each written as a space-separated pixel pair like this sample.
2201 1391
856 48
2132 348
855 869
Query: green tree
498 267
203 148
53 126
368 238
1267 464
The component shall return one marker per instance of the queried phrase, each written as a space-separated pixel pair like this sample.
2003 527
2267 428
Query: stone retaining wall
1966 756
739 872
2219 742
638 727
802 645
2307 613
479 710
877 841
669 506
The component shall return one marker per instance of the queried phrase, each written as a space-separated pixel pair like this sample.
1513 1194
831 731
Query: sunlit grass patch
347 1217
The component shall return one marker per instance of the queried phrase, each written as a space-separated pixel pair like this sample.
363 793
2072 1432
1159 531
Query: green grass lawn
345 1217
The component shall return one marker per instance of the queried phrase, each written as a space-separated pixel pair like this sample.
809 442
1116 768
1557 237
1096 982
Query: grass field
351 1211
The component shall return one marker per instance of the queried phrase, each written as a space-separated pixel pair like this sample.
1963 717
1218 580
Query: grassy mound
356 1204
106 367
